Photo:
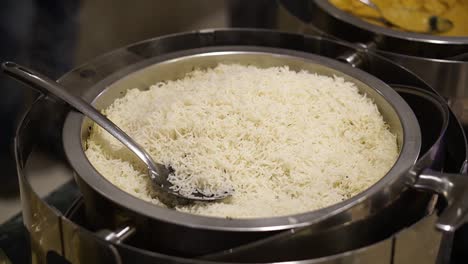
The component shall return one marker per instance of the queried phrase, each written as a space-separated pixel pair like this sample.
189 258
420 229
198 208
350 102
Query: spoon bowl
158 173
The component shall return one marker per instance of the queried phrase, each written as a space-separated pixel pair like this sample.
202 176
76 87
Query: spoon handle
48 86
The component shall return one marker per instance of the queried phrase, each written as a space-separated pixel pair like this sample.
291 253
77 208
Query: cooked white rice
287 142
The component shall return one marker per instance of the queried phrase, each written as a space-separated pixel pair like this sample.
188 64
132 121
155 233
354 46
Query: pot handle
454 188
118 236
357 58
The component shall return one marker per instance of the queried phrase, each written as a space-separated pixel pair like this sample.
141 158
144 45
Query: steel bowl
186 234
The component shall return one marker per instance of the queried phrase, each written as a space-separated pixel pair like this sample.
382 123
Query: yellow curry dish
412 15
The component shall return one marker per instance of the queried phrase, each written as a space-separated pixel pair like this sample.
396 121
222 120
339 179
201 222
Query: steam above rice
287 142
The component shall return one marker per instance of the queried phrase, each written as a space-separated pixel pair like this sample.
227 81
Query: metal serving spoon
420 22
157 172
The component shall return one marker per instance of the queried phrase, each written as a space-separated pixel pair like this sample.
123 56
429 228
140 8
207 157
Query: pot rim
409 36
408 154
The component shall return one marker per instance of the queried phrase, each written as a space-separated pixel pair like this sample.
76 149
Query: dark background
53 36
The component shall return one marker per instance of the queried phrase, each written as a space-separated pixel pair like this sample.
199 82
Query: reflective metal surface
171 66
41 221
154 68
449 77
409 43
420 243
453 188
439 60
79 245
394 110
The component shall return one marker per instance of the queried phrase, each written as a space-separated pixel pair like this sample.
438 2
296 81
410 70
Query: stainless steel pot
51 232
194 235
441 61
